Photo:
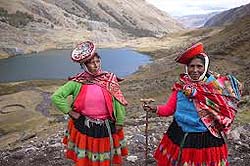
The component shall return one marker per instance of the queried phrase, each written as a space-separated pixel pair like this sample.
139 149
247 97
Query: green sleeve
119 112
59 98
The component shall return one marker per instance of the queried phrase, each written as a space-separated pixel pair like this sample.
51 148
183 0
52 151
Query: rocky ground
44 148
33 136
49 151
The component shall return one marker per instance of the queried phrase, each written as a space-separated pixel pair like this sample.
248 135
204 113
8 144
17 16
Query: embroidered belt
88 121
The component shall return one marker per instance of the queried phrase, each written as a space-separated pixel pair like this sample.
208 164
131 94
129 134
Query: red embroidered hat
83 52
190 53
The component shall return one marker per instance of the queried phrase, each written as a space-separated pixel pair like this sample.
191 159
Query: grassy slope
229 51
152 80
19 116
232 45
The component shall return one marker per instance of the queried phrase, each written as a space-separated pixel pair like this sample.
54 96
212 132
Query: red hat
190 53
83 52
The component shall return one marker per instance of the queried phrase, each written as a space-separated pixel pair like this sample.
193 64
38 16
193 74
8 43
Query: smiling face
195 68
94 64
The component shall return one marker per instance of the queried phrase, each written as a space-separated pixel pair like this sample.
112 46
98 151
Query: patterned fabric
103 79
83 51
178 148
167 155
216 101
86 149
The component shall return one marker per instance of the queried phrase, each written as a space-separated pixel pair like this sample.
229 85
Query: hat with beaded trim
83 52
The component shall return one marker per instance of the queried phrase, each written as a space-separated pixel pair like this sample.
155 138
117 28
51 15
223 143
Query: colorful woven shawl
216 101
103 79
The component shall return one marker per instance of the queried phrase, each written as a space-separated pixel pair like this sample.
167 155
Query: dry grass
244 116
152 80
19 116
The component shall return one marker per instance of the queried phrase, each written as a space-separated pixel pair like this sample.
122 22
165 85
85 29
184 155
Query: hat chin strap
205 71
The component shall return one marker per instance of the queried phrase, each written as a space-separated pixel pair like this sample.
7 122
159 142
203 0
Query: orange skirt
86 149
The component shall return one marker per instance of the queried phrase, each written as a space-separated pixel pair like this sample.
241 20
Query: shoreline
152 80
26 51
133 52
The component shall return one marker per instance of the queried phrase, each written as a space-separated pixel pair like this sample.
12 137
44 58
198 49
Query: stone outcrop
38 25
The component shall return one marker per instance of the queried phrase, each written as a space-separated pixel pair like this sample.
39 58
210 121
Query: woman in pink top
95 135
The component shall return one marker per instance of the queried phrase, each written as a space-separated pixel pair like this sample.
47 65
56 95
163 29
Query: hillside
195 21
29 143
28 26
231 45
229 16
31 128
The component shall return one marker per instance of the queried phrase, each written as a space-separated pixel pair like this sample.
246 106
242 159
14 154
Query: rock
14 51
27 136
39 145
132 158
51 142
31 150
18 155
139 138
235 134
56 145
29 41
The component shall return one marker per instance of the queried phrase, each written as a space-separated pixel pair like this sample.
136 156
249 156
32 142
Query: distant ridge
43 24
229 16
195 21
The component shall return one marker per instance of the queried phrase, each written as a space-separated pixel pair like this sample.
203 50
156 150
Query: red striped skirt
190 149
90 145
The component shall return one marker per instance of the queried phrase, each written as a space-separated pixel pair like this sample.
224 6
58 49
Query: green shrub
18 19
3 12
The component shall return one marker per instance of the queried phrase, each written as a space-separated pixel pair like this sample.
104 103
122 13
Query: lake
56 64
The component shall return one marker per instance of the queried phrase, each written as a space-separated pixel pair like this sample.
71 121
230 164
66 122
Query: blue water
56 64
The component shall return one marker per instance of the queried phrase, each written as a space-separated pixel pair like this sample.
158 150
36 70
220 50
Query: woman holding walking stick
203 105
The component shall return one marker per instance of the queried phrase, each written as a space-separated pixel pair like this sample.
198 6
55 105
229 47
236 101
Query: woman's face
195 68
93 65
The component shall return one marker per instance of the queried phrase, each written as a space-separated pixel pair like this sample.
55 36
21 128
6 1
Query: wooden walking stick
145 103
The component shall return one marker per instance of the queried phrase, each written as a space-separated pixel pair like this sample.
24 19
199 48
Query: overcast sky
190 7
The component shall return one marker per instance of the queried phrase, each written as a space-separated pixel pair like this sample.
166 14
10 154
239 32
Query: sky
191 7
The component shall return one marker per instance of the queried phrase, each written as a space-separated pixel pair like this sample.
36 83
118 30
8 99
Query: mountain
42 24
233 39
231 46
24 131
195 21
229 16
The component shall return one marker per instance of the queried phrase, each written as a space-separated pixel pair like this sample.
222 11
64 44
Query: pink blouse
95 105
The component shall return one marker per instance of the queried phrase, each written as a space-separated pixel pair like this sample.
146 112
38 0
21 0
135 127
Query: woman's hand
74 115
149 107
